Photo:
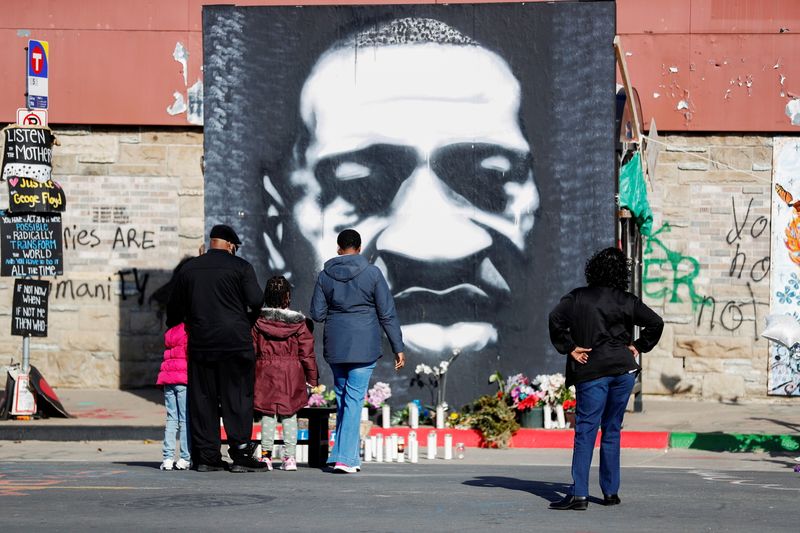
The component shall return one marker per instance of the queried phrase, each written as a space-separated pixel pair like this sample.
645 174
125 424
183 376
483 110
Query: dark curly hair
608 268
278 293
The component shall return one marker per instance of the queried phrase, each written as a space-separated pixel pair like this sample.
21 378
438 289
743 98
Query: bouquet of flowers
553 387
377 395
517 391
321 397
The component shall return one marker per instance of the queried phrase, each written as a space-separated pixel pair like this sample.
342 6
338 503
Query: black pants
220 380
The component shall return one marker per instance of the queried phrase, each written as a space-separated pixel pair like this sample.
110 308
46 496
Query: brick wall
707 266
134 209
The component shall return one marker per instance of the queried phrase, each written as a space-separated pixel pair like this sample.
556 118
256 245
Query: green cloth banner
633 194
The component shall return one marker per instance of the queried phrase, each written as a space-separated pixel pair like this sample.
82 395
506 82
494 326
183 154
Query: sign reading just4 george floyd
31 245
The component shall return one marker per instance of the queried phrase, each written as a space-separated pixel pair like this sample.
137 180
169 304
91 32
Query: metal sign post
26 354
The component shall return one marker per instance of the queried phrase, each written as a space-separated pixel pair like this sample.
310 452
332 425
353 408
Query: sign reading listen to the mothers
28 152
26 195
29 317
31 245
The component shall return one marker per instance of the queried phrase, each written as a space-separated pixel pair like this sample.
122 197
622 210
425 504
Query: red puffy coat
285 361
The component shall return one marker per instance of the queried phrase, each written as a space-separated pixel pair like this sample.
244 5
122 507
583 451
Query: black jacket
214 296
602 318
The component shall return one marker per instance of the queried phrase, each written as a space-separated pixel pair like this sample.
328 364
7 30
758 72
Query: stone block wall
706 266
134 209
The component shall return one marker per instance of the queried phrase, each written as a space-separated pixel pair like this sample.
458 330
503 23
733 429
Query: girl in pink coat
173 378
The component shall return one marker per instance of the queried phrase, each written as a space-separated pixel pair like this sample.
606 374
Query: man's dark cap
226 233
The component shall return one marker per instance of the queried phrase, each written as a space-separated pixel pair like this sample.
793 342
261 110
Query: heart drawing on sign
13 181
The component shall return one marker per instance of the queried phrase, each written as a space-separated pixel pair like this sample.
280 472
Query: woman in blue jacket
353 300
594 326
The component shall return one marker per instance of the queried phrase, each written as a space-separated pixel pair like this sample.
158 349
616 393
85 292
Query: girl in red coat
285 365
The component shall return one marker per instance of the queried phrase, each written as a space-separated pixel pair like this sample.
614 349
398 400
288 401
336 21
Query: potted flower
524 398
321 397
376 397
569 411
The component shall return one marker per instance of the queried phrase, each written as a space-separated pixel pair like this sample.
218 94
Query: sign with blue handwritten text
31 245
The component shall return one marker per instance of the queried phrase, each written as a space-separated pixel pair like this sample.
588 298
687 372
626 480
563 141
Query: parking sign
38 67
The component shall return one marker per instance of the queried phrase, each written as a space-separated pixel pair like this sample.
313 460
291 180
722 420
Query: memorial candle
431 445
368 450
413 415
379 448
386 416
439 417
448 446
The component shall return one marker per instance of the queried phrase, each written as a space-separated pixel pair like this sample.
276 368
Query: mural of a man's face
418 146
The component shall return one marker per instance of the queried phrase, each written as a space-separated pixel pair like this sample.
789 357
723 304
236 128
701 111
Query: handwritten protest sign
26 195
31 245
28 153
29 316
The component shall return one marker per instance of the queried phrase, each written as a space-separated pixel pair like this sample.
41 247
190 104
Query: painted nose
430 222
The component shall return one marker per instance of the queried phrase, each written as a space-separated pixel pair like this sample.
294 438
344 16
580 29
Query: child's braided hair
278 292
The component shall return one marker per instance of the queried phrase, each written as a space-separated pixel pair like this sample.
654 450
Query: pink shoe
342 468
267 461
289 464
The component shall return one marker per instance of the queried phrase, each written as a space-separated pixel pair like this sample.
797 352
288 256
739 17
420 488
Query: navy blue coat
353 300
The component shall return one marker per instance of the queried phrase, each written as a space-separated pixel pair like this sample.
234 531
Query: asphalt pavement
117 485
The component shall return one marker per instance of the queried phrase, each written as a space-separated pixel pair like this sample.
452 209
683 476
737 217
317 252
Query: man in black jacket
213 296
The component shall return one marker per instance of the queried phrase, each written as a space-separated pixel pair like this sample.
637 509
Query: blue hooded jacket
353 299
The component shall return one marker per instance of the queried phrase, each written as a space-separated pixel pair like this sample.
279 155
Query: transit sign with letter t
38 69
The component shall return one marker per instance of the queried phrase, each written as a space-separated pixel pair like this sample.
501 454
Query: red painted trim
524 438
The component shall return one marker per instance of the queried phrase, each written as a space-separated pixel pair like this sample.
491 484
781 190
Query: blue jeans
350 383
175 401
601 404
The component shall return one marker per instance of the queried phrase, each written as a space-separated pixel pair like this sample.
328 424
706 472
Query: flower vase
569 416
548 416
562 423
531 418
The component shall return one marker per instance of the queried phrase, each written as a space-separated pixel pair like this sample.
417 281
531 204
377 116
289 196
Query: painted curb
735 442
530 438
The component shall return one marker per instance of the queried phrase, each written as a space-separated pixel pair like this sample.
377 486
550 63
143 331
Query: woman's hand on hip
633 350
399 360
581 355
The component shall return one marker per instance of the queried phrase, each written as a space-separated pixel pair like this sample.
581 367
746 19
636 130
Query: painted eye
499 163
349 170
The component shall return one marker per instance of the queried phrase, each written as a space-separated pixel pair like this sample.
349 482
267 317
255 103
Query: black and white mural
472 146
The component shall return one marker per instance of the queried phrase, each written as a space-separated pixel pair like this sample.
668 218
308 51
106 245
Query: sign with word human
28 152
29 314
38 73
31 245
26 195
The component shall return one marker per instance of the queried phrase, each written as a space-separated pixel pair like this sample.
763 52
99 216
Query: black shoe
217 466
247 464
576 503
611 499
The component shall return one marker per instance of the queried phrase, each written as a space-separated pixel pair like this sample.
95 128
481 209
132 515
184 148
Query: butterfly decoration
792 231
787 197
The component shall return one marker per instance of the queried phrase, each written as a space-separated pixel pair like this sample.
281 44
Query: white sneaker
289 464
166 465
266 460
345 469
182 464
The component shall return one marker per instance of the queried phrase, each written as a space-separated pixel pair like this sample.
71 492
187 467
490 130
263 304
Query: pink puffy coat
173 368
